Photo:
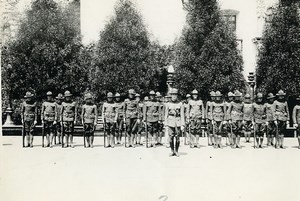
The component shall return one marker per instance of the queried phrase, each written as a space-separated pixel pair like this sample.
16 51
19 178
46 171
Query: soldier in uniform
29 117
151 116
195 117
131 117
140 125
160 122
271 122
186 128
296 119
120 117
58 130
49 118
247 117
208 116
89 117
174 120
218 119
283 117
235 118
230 97
68 119
259 114
109 116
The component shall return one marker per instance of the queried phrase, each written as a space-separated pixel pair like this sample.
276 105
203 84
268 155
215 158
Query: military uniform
218 116
271 119
160 123
230 96
29 118
131 116
247 118
68 118
120 105
196 116
49 118
282 117
151 115
259 114
296 119
58 127
174 120
140 125
208 116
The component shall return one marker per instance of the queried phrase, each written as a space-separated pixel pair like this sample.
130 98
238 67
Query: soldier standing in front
283 117
174 121
58 127
271 122
248 118
195 118
296 119
120 117
68 119
49 112
89 116
29 118
259 114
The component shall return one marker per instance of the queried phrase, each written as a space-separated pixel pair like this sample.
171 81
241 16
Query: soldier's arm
116 112
103 111
206 110
294 115
203 109
287 111
96 114
55 112
166 111
229 111
182 114
35 112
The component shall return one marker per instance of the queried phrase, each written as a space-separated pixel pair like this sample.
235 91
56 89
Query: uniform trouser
131 126
237 127
298 131
140 127
110 128
152 127
210 127
219 128
281 127
68 127
248 126
271 128
29 127
260 129
49 127
58 129
174 133
119 125
89 129
195 126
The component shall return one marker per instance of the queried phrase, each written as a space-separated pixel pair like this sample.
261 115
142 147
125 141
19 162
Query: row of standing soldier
231 118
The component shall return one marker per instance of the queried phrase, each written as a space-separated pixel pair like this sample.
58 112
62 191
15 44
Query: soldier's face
218 98
271 100
109 99
195 96
68 98
131 96
213 98
259 100
28 99
138 99
49 98
230 98
151 97
237 99
280 97
58 101
247 100
174 97
88 101
118 99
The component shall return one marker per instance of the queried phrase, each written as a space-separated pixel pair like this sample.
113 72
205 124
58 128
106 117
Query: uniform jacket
248 112
120 110
151 111
174 114
236 111
281 111
208 110
259 113
218 111
89 114
296 114
131 109
49 111
29 111
69 111
270 110
196 109
109 113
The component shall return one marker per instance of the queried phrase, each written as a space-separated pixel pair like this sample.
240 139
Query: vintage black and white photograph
167 100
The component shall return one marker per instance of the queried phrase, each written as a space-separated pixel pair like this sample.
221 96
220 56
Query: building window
230 16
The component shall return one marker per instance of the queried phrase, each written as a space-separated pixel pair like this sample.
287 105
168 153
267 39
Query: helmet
152 93
28 95
230 94
259 95
88 96
117 95
59 96
270 96
188 96
174 91
131 91
237 93
49 93
280 93
247 96
137 95
158 94
212 93
218 94
194 91
110 95
68 93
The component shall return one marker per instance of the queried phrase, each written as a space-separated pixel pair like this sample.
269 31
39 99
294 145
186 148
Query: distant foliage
47 55
125 56
206 55
279 57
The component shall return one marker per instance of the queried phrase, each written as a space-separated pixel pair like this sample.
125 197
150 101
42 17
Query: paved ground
42 174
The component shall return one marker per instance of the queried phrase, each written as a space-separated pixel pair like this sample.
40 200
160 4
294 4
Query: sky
163 18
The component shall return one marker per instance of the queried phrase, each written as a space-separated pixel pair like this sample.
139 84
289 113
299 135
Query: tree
46 54
207 57
279 56
125 56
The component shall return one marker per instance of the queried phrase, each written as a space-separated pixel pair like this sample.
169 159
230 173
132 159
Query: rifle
23 134
43 134
104 133
190 142
254 134
84 136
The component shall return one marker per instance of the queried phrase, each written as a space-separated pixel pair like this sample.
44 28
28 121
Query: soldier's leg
298 135
52 135
171 132
71 134
193 132
66 133
108 133
91 138
86 135
198 132
31 134
113 130
177 140
27 135
257 133
238 138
